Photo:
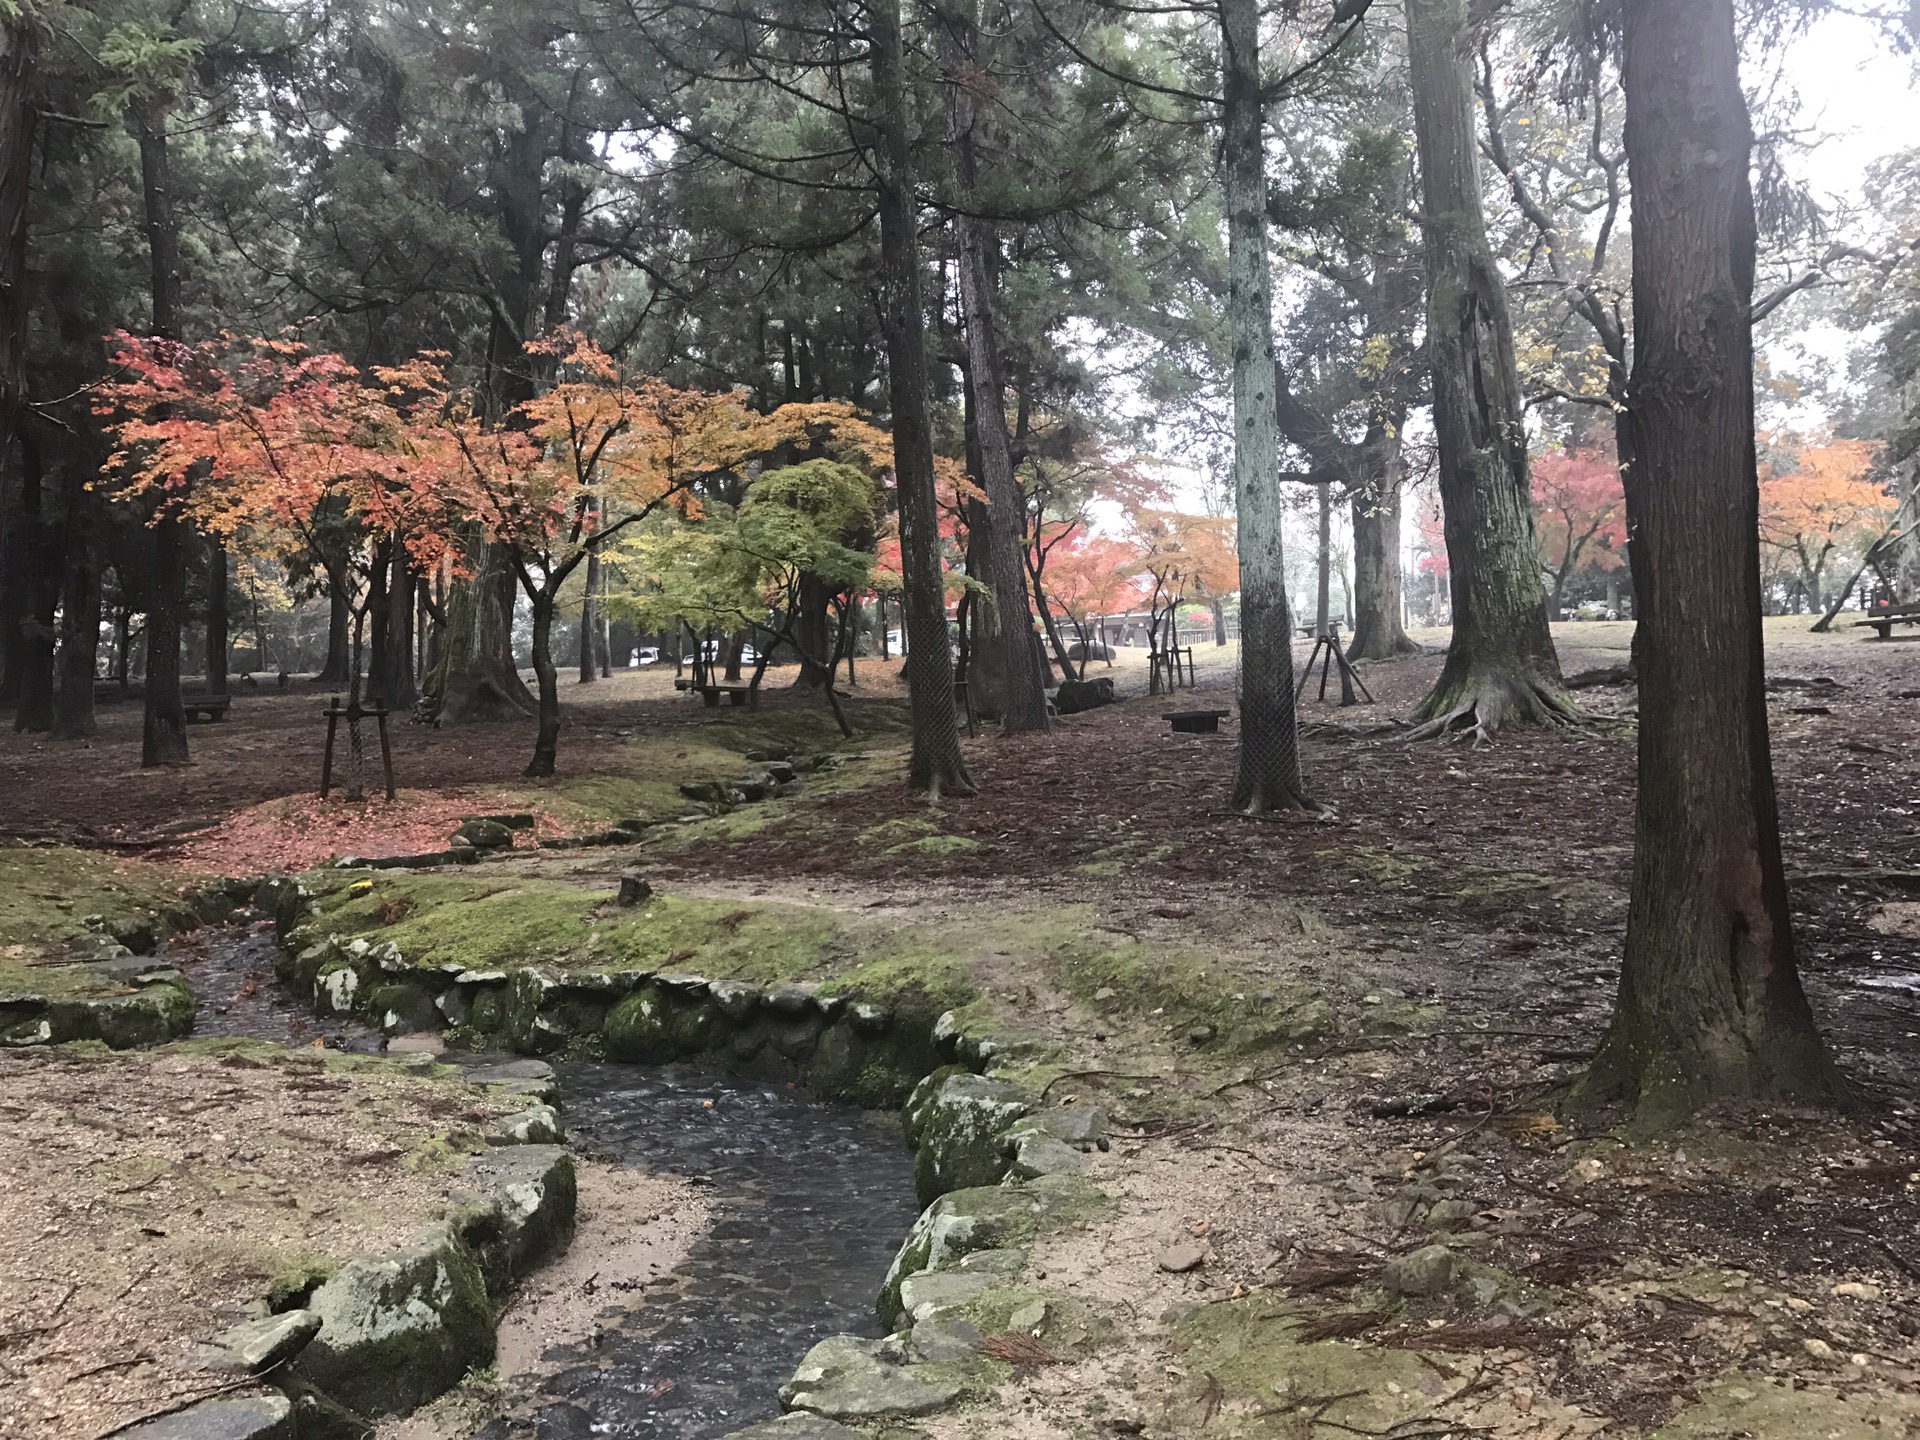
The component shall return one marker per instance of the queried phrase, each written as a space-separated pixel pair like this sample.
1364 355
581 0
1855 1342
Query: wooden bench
211 708
1196 722
1884 617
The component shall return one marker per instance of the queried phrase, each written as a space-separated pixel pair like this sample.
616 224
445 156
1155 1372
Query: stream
810 1201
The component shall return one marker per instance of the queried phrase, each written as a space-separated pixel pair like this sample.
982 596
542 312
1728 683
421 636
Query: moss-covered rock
639 1029
994 1217
398 1008
695 1026
845 1377
396 1331
963 1131
517 1206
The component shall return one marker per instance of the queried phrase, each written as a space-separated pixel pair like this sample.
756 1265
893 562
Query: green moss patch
1271 1379
46 894
1771 1409
483 925
641 776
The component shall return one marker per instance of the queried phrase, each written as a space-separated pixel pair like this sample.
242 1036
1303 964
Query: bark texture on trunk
395 660
546 744
17 38
73 717
217 637
1022 695
1267 776
476 678
33 630
1710 1003
163 738
936 763
339 634
164 728
1379 626
1501 667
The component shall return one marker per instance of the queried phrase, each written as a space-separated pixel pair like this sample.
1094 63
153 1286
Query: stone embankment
386 1333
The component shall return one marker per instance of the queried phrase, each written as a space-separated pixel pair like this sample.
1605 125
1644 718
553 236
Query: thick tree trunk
339 638
73 717
34 632
1710 1004
935 764
17 40
217 619
1501 667
164 727
546 744
813 630
163 738
1379 629
1268 772
1021 688
476 678
395 656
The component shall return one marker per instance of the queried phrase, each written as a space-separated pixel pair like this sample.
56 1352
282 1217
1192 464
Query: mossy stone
962 1135
397 1330
403 1007
487 1010
697 1026
638 1029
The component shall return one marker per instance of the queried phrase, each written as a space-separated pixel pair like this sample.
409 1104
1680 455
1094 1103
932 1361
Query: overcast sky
1860 94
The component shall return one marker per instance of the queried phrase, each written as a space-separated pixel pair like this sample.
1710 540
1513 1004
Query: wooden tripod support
353 714
1326 652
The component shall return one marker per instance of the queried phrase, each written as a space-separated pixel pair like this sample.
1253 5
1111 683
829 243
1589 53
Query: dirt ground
1756 1275
147 1199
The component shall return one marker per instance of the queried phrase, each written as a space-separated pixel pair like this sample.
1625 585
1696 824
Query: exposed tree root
1485 699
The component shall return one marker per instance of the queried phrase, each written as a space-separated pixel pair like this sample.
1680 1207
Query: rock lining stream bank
815 1199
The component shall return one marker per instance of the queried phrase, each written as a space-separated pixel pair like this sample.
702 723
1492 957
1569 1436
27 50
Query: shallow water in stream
810 1201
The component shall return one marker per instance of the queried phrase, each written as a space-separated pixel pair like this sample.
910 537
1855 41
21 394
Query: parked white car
647 655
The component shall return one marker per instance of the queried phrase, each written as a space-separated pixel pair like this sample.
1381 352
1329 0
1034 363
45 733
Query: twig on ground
143 1358
1088 1074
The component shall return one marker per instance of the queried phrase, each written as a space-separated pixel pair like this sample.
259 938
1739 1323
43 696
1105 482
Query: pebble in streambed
811 1202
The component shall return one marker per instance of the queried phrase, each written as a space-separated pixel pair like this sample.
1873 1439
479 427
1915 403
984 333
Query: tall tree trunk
164 728
812 629
396 654
1501 667
1710 1004
163 737
1008 626
381 570
339 640
546 744
476 677
17 41
1379 630
935 764
73 717
589 620
35 632
217 620
1323 576
1268 772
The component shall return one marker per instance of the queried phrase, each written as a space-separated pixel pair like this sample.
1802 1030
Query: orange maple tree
1580 513
1819 501
1178 558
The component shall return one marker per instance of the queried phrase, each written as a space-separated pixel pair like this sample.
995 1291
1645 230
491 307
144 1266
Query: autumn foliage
1580 513
1820 503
